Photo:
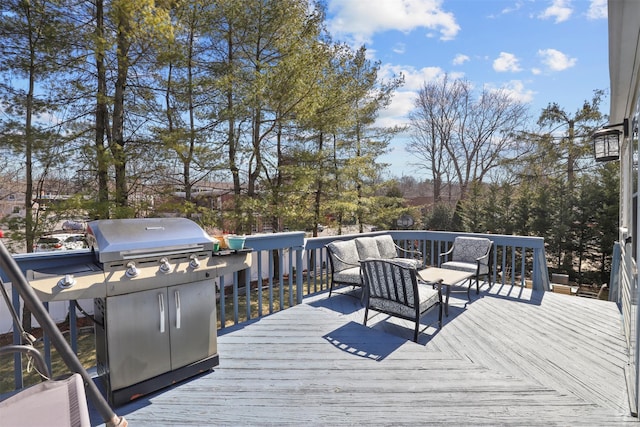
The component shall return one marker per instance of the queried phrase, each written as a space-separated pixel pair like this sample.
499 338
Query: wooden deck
510 357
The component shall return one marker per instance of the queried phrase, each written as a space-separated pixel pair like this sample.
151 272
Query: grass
86 354
86 335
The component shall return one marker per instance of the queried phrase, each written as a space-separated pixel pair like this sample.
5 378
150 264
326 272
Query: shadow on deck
510 357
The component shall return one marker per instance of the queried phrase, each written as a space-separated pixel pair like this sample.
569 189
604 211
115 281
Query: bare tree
433 121
461 138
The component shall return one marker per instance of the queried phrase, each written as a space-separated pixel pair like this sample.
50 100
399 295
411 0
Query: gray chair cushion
415 263
469 249
367 248
386 246
349 275
465 266
347 251
428 296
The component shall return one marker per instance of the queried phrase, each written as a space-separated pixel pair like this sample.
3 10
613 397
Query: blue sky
541 50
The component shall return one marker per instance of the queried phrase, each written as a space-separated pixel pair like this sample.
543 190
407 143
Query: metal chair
469 254
53 402
343 262
392 287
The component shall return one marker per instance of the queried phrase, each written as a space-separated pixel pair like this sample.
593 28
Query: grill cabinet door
192 319
139 342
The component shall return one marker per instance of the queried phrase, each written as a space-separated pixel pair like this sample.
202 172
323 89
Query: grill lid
132 238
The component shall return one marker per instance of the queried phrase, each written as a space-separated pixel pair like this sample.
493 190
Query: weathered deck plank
510 357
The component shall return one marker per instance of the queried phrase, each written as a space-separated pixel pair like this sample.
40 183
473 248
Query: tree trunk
318 196
102 119
117 144
28 199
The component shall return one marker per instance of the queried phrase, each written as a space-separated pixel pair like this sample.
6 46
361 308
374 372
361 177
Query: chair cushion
386 246
409 262
466 266
349 275
469 249
347 251
427 297
367 248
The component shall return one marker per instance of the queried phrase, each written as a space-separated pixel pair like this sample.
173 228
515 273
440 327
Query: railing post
540 271
299 270
614 279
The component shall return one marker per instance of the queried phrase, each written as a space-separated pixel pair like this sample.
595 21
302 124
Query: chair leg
415 332
366 313
477 285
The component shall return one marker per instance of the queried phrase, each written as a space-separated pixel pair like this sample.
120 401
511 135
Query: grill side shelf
226 252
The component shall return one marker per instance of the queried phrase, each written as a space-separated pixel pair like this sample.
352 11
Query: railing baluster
259 281
235 298
73 326
270 257
223 304
247 293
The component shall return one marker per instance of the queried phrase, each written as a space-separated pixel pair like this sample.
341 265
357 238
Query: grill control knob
165 267
194 261
132 271
66 282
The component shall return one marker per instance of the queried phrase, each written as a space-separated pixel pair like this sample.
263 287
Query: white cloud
403 99
460 59
399 48
358 21
536 71
506 62
397 112
413 78
509 9
560 10
597 10
556 60
518 92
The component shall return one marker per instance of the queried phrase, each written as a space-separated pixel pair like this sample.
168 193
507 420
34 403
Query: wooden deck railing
288 266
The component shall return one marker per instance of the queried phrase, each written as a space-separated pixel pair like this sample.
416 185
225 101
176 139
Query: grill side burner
153 286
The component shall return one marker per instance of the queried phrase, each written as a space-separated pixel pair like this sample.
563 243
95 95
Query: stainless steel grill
153 285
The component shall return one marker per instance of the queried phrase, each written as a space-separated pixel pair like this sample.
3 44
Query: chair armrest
449 252
31 352
483 257
442 256
409 251
343 261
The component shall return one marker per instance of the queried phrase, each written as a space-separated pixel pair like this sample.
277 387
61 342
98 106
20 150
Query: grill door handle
177 309
161 307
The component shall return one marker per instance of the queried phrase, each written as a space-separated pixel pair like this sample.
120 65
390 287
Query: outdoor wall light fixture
606 141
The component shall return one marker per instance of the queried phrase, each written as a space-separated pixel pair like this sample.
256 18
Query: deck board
510 357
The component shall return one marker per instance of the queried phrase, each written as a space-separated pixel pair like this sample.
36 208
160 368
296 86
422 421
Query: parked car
60 242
